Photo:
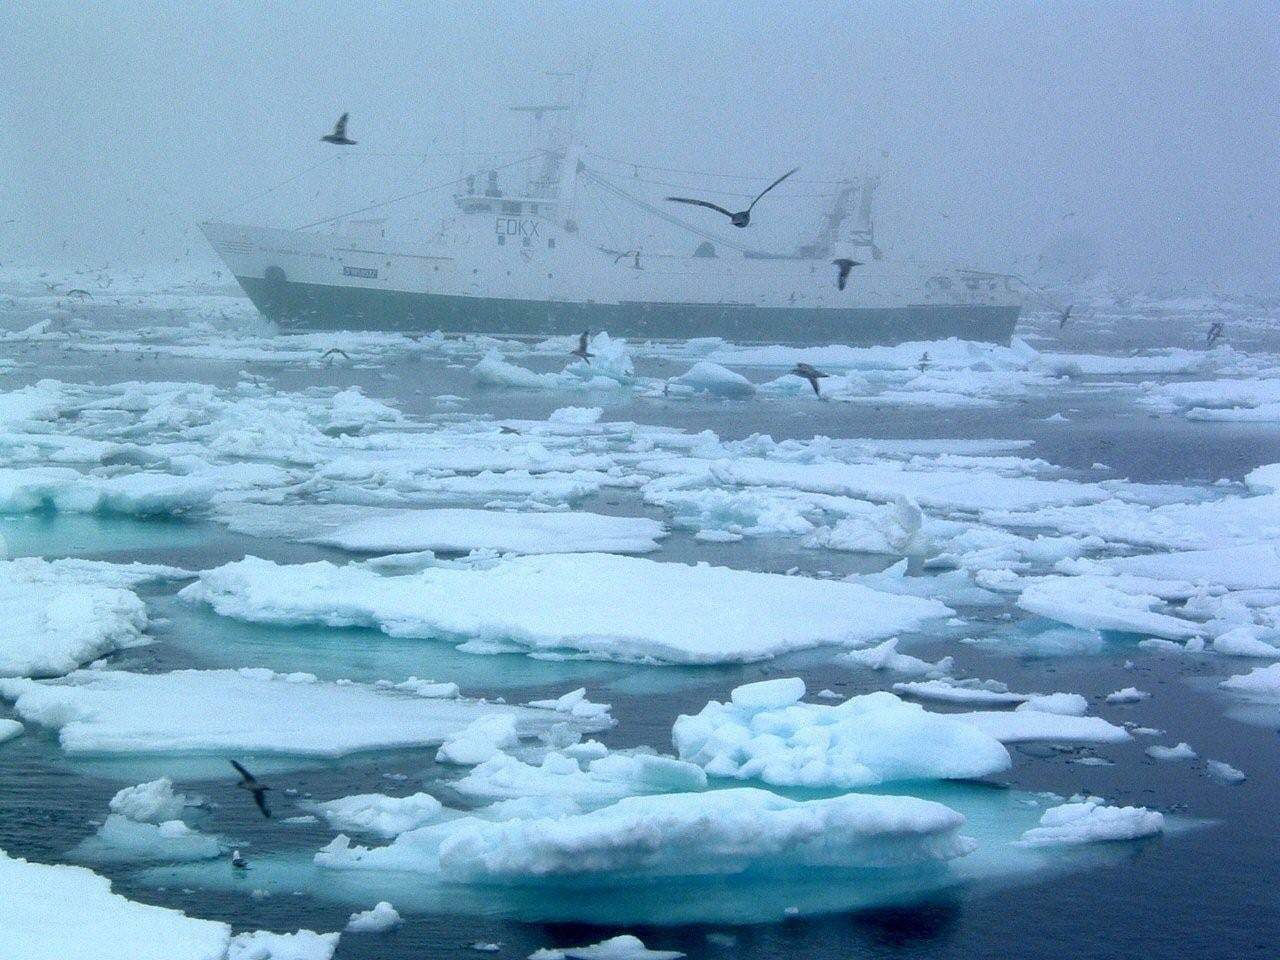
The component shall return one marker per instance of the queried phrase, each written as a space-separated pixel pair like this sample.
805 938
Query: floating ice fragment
1092 821
1182 751
381 918
379 814
264 945
624 947
1128 695
886 657
1224 772
152 802
767 734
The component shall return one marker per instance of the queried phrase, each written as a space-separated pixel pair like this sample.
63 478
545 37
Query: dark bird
52 287
811 374
1216 329
77 292
238 862
629 253
339 135
582 351
924 361
509 430
249 782
334 351
844 265
742 217
1066 315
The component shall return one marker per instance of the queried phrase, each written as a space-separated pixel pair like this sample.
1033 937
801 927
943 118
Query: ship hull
324 306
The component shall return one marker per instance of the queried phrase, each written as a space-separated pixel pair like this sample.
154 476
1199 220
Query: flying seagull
1066 315
506 429
1215 331
845 265
582 347
742 217
249 782
334 351
629 253
339 135
811 374
77 292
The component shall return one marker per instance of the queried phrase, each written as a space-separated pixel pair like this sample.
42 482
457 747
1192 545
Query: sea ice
600 605
1225 772
1182 751
10 729
381 918
152 802
1090 603
50 623
589 781
479 741
1263 682
461 530
707 377
979 693
121 840
1092 821
249 710
866 740
721 832
885 656
624 947
52 912
1128 695
264 945
1018 726
378 814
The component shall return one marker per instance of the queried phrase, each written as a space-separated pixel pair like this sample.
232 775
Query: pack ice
248 710
598 605
766 733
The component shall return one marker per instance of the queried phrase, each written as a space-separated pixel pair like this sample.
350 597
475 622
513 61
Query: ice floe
152 802
622 947
1261 682
250 710
765 732
55 617
598 605
264 945
1019 726
52 912
378 814
379 919
721 832
460 530
1092 821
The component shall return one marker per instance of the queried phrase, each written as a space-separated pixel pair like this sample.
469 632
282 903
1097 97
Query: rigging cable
407 196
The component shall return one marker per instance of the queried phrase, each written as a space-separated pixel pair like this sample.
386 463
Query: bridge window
501 240
527 242
509 207
551 243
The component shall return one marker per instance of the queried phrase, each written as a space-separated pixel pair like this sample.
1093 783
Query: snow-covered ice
1092 821
379 919
1018 726
460 530
765 732
721 832
52 912
599 605
378 814
248 710
622 947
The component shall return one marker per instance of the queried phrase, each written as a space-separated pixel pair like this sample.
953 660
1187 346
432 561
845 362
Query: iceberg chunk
1092 821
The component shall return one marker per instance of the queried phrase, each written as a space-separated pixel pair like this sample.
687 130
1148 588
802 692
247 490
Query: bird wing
261 800
248 777
771 186
702 203
340 128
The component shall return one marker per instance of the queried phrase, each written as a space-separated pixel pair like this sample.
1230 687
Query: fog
1147 131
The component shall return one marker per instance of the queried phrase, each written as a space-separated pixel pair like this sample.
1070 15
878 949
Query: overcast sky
1152 128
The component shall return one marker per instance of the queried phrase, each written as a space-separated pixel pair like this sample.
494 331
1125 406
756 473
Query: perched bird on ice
924 361
742 217
843 266
582 351
238 862
1066 315
249 782
339 135
812 374
1216 329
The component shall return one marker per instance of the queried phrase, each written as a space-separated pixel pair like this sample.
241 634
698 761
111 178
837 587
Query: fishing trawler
515 261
